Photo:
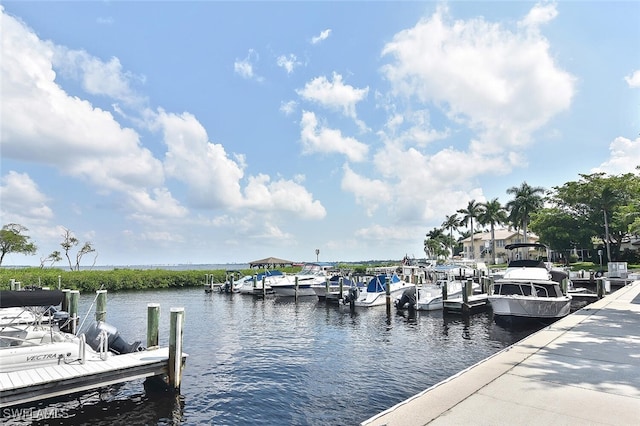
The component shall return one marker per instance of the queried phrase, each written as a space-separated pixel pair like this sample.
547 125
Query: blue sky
223 132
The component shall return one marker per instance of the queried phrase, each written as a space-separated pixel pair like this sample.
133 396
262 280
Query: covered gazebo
270 262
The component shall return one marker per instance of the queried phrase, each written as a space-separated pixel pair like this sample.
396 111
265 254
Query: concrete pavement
581 370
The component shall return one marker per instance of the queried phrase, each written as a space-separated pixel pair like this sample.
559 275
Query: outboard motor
116 343
408 299
352 295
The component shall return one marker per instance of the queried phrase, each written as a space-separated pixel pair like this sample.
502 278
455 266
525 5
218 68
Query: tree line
14 239
598 210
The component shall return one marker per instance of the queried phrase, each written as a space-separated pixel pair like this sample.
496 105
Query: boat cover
18 298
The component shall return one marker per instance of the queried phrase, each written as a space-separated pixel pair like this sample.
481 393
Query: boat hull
368 299
529 307
289 290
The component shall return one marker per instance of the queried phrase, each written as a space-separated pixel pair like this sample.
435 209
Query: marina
267 359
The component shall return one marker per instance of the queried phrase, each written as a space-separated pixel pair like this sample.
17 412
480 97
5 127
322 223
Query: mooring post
326 285
600 287
445 296
264 287
295 289
153 324
73 310
175 347
387 285
101 305
466 290
341 284
564 285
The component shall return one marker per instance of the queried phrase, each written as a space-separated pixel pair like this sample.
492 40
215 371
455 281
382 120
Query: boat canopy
20 298
523 245
377 283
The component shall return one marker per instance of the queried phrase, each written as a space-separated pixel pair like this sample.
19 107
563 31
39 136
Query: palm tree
434 244
493 214
451 223
527 200
472 211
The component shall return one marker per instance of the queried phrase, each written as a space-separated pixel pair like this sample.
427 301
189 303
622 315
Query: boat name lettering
43 357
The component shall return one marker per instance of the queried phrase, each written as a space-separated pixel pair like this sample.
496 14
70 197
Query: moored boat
529 288
375 293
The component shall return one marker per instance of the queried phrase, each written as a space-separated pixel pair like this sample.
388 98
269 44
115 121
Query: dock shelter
270 262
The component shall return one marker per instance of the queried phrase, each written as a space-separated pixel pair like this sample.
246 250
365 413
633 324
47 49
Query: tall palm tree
451 223
527 200
493 214
472 211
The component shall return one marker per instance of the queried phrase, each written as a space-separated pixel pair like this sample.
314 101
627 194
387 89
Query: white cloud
289 107
624 157
42 123
501 83
97 77
540 14
315 139
288 62
633 80
334 94
370 193
22 201
244 67
282 195
322 36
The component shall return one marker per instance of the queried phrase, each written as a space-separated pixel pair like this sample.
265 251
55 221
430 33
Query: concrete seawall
582 369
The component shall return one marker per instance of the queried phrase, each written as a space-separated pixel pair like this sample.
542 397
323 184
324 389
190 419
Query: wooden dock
31 385
474 303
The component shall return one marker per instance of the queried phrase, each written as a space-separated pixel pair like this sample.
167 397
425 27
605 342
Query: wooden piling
295 289
264 287
600 287
101 305
467 288
66 299
445 296
153 324
387 285
341 283
73 310
175 347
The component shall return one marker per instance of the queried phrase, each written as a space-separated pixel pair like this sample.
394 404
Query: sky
212 132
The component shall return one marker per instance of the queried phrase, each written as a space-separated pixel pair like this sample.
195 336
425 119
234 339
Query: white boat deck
29 385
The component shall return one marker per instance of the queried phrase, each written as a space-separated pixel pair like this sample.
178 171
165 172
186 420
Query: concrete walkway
582 370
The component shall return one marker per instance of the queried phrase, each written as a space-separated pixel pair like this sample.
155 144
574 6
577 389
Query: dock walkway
29 385
582 369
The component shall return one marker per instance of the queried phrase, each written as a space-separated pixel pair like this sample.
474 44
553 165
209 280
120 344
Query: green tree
601 203
53 258
560 230
493 214
14 240
527 200
69 241
451 223
473 210
436 243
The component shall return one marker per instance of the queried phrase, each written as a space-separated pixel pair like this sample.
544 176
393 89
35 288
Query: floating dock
474 303
582 369
31 385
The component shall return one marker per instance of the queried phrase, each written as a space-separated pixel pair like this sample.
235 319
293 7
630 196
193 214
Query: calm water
275 361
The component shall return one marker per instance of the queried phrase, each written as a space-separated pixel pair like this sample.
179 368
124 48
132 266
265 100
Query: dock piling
101 305
73 310
175 347
153 324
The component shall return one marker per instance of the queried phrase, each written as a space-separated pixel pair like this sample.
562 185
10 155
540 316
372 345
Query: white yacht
528 289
